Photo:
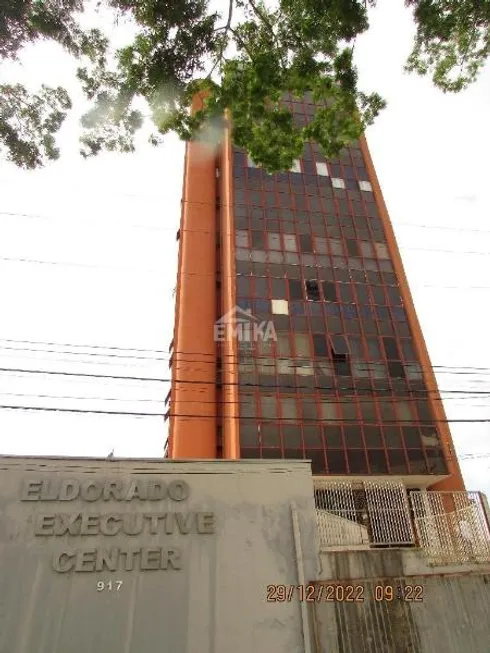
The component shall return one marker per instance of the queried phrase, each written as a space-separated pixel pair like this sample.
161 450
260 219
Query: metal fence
450 527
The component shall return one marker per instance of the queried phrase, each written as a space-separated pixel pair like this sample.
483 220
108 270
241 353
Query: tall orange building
295 331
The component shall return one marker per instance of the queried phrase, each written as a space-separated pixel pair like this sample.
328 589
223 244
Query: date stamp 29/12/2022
343 593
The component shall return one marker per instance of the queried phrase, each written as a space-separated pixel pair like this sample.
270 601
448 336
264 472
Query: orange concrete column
455 481
193 428
229 347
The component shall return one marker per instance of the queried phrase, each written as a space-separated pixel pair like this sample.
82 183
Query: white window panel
275 257
302 345
326 368
266 366
328 410
413 371
360 370
280 307
283 344
338 183
259 256
274 240
290 244
268 406
365 185
404 411
288 408
285 366
304 368
241 238
291 259
320 245
296 167
242 254
336 246
381 250
367 249
321 169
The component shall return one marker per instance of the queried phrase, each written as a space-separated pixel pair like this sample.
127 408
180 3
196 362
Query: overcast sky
88 256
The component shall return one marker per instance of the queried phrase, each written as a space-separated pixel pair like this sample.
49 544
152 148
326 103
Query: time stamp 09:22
340 593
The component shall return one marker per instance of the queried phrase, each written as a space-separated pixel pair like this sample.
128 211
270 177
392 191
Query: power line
331 400
296 363
256 418
105 193
88 346
442 227
98 223
11 259
79 410
84 353
141 414
327 422
83 374
72 264
39 396
159 227
97 361
179 354
358 391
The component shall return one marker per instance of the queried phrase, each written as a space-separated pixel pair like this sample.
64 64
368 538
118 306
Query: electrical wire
79 410
244 417
474 456
173 229
361 391
342 400
43 396
241 418
71 222
178 355
441 227
97 266
208 232
88 346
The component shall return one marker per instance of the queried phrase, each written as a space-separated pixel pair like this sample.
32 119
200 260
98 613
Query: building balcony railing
448 527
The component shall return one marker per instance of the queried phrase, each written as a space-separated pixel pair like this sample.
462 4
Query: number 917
109 586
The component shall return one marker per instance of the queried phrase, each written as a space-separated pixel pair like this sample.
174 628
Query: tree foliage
452 41
244 60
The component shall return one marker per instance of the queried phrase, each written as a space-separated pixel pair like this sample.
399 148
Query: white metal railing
449 527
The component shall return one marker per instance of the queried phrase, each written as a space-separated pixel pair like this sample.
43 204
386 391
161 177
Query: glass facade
341 383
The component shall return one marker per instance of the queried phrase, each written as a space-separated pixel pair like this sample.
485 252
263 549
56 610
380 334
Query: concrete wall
216 601
451 613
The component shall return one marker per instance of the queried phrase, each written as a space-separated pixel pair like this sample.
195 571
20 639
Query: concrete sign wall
134 556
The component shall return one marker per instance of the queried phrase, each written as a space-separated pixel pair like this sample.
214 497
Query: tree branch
241 42
263 18
226 28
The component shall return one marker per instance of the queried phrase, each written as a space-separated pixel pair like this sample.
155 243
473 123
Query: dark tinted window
295 289
396 370
291 434
258 241
320 345
357 462
306 243
336 462
391 349
329 292
312 290
339 345
377 461
352 248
